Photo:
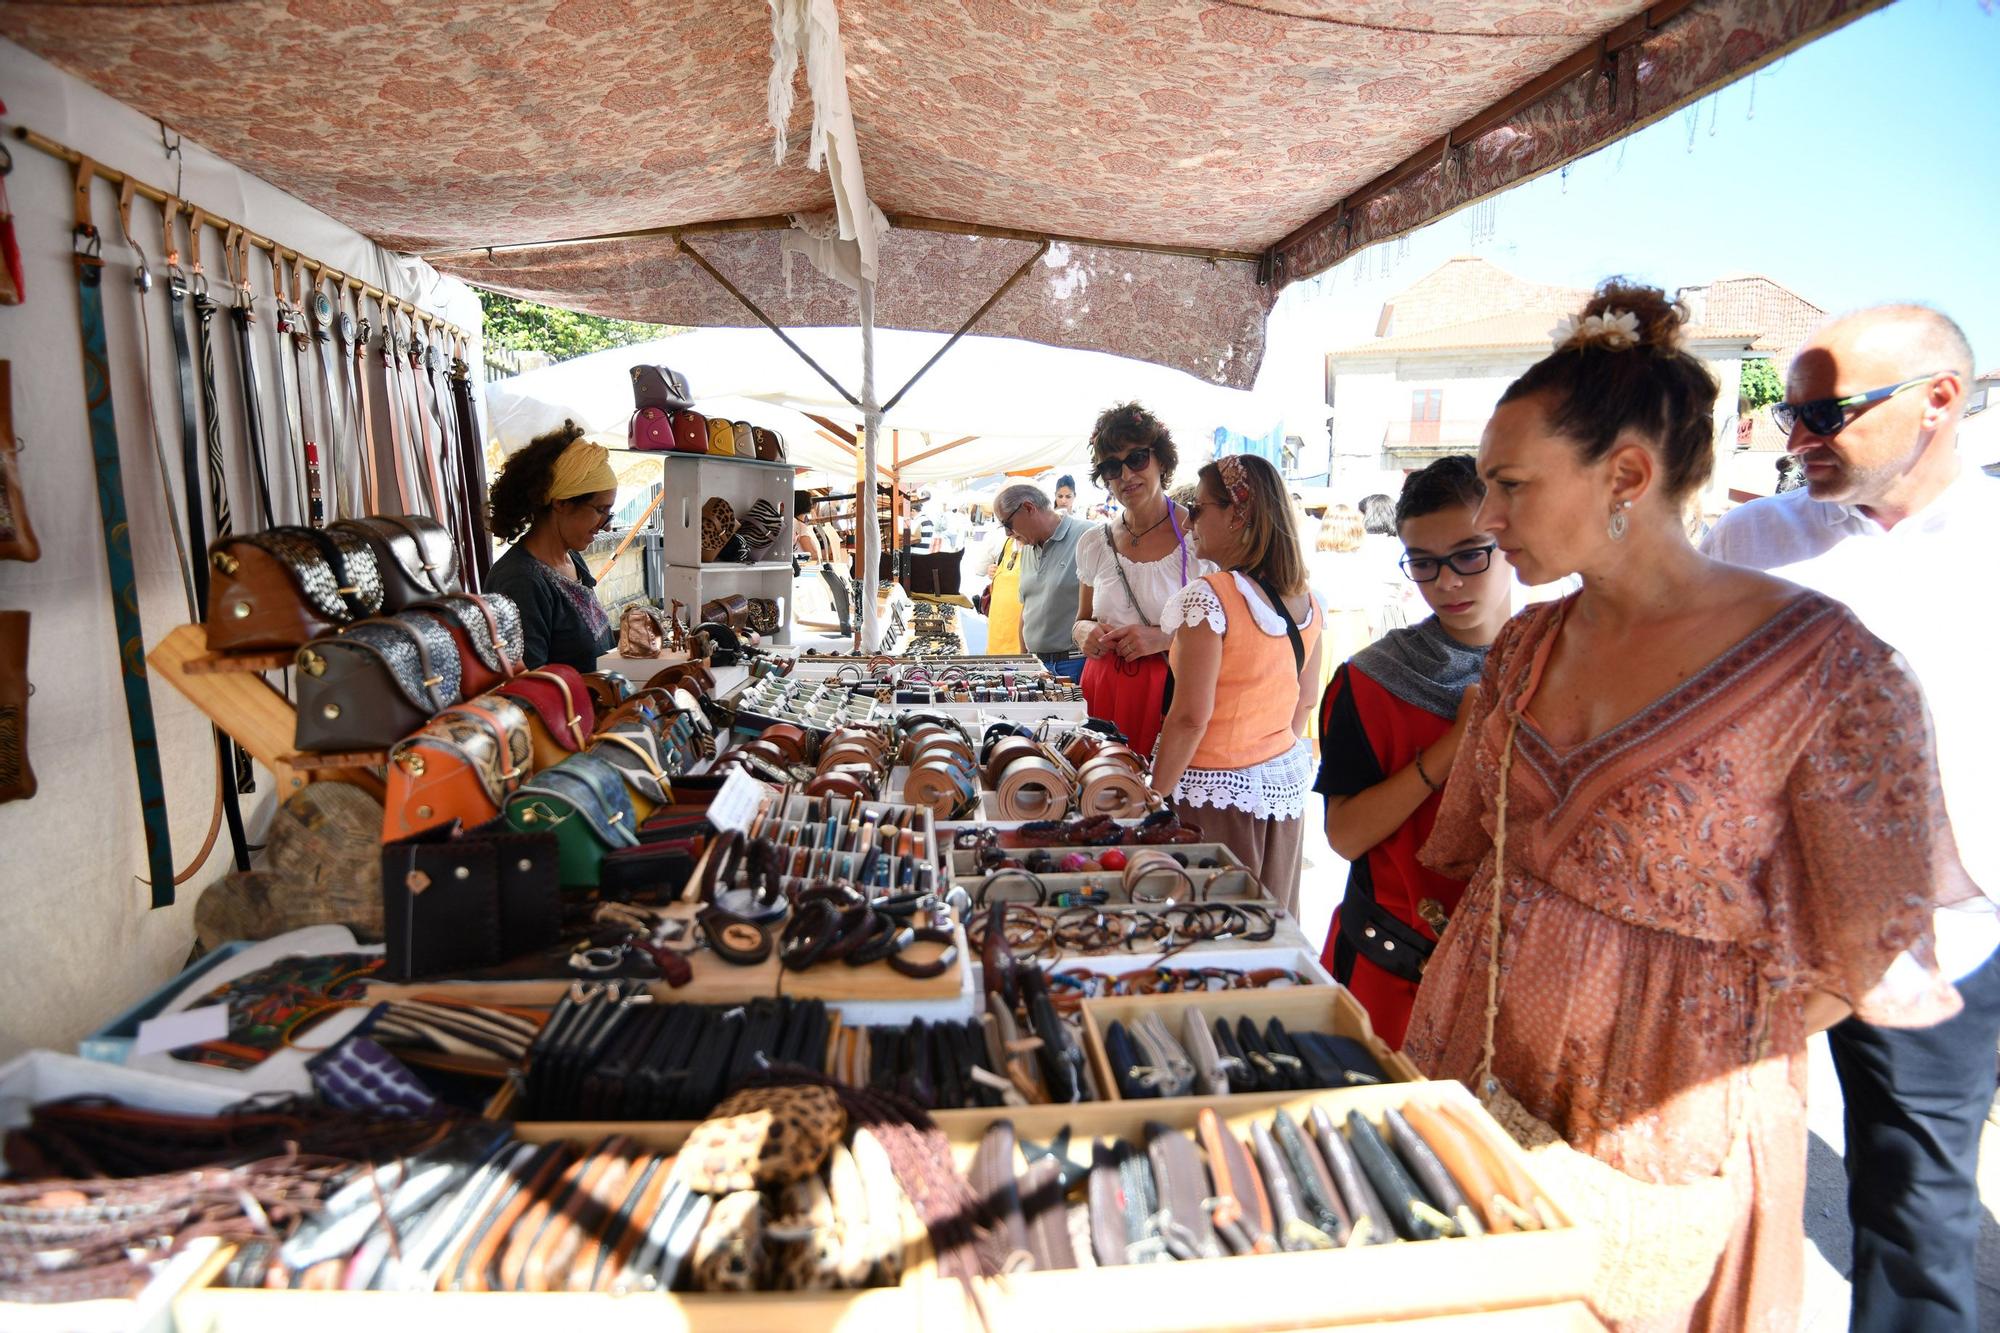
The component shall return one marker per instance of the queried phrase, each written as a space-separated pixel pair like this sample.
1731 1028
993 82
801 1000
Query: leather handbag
585 801
460 767
640 633
561 716
733 611
690 433
721 438
17 779
414 554
770 444
633 748
744 436
607 689
374 683
651 430
660 386
718 525
486 630
457 899
17 534
287 586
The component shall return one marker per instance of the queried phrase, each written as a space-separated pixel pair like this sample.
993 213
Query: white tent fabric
1028 405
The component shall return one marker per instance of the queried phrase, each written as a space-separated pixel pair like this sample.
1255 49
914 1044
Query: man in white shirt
1891 522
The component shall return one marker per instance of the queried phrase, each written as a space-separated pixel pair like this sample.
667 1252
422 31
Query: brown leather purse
17 779
733 611
287 586
17 534
414 554
640 633
770 444
462 766
374 683
487 633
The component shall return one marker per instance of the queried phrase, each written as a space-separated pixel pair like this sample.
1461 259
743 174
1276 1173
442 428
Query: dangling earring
1617 524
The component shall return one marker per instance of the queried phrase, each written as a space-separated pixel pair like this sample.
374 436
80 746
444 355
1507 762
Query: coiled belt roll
1034 787
1110 788
944 784
1004 752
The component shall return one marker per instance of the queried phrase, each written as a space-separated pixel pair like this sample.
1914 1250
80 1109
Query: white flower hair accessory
1615 329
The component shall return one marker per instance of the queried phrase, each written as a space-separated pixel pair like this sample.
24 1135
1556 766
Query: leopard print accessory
804 1239
729 1254
763 1136
718 525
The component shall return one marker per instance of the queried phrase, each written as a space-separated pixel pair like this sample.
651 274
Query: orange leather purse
461 766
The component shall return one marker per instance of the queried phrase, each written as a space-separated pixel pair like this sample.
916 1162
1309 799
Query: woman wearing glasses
1127 568
551 499
1233 757
1713 801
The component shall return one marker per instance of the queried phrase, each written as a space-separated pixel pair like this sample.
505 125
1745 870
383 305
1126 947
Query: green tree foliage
523 326
1761 385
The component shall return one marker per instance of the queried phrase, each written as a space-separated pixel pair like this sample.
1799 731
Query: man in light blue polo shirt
1048 575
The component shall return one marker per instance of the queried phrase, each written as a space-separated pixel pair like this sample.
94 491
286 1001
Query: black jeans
1916 1103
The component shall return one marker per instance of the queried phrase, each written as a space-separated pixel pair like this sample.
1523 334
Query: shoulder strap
1291 626
1111 541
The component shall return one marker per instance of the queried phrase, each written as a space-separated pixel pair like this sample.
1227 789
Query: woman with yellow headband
550 500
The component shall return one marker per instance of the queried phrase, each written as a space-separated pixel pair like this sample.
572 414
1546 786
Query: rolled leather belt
1108 787
943 786
1034 787
1005 751
791 740
841 781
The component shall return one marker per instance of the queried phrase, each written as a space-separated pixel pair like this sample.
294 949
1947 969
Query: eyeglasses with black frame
1007 520
1111 468
1827 417
1426 568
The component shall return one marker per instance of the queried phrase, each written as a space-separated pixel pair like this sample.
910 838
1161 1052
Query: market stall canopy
1189 156
1015 404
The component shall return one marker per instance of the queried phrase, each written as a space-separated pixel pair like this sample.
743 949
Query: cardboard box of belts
1301 1210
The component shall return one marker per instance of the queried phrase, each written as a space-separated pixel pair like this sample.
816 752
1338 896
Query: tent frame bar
680 244
900 221
966 327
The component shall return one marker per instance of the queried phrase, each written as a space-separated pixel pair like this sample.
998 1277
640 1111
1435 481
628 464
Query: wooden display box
1498 1284
1300 1008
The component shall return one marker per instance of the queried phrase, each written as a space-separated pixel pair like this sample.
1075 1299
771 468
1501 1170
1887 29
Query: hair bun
1622 316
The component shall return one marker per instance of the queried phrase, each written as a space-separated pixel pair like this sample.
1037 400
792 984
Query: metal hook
173 152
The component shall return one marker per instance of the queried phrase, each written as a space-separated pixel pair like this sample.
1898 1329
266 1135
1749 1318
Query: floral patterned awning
1247 144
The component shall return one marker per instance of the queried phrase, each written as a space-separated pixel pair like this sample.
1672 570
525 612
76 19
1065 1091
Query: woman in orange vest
1233 757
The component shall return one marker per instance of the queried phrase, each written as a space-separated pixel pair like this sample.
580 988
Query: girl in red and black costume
1390 723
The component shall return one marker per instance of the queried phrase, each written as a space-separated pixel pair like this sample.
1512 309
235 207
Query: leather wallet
457 901
17 777
1409 1211
1363 1206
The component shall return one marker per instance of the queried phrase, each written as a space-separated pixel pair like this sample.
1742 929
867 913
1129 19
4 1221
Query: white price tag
738 802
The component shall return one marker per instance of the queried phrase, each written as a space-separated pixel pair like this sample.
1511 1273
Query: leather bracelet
734 940
856 927
1012 872
807 935
938 966
1144 865
885 945
1418 763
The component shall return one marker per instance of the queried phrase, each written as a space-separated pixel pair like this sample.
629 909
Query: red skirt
1130 695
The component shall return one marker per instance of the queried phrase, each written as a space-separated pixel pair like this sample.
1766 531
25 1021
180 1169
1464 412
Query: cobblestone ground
1828 1237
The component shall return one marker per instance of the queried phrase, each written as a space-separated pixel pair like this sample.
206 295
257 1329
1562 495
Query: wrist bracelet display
985 894
936 967
1150 864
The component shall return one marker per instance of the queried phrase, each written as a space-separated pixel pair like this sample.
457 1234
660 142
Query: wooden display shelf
1529 1280
269 659
253 712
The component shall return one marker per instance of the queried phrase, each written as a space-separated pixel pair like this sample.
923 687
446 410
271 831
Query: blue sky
1863 167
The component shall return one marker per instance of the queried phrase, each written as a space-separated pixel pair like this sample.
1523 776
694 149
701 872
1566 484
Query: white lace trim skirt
1274 789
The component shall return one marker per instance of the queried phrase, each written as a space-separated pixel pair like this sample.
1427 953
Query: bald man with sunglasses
1892 522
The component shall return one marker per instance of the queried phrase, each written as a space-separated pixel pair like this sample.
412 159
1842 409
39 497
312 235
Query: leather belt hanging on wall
305 473
244 315
118 544
178 290
472 459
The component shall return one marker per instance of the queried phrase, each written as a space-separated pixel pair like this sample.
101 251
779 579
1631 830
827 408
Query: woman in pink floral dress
1724 825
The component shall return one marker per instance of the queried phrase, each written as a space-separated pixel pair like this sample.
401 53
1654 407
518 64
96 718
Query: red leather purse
561 716
690 433
651 431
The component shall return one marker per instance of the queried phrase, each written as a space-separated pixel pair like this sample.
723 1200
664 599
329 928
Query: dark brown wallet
17 779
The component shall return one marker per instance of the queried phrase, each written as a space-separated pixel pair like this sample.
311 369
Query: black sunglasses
1425 568
1827 417
1137 460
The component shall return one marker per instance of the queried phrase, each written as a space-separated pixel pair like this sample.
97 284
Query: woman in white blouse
1246 650
1127 569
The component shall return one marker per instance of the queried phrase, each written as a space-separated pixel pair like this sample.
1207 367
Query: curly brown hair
1130 426
514 501
1655 387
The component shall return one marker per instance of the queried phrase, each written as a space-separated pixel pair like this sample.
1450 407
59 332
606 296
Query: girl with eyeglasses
1233 757
1390 723
551 500
1699 816
1126 569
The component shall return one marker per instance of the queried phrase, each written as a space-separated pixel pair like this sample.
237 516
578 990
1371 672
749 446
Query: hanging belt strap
472 458
307 486
118 542
362 431
420 434
211 415
454 475
319 308
236 256
392 394
177 293
323 480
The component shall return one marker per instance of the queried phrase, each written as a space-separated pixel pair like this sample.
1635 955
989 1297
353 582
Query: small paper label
190 1027
738 801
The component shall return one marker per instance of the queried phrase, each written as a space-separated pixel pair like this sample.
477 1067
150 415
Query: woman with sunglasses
1699 814
551 500
1127 569
1233 757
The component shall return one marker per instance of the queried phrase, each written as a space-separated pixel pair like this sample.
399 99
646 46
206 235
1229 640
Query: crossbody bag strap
1111 540
1291 626
117 536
